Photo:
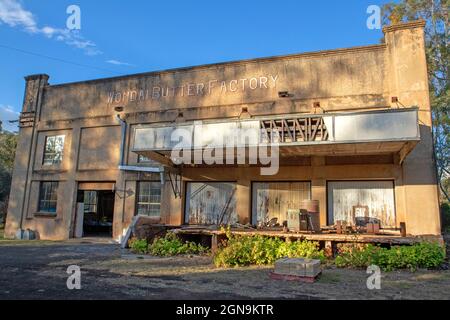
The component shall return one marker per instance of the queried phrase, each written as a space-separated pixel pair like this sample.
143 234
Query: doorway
95 213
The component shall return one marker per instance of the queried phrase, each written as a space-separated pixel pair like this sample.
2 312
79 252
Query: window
274 199
149 198
360 202
90 201
48 197
210 203
54 149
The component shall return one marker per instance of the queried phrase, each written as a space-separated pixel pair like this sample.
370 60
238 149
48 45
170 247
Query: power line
56 59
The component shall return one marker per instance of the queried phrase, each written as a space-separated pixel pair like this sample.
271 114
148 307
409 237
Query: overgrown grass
2 231
259 250
423 255
170 245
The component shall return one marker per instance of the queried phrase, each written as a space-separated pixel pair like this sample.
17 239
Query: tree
435 13
8 144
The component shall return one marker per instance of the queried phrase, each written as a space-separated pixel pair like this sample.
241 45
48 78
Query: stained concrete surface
38 271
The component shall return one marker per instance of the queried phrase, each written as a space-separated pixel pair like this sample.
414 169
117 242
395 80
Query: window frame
46 209
186 207
253 213
329 206
148 203
53 161
90 204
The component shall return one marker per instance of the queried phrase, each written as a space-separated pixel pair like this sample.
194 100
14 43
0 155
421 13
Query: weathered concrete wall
99 148
361 78
341 79
409 82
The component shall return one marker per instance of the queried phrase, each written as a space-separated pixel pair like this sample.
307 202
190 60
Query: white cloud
8 113
119 63
9 109
13 14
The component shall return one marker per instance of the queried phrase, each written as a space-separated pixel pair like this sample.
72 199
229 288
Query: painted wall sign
209 87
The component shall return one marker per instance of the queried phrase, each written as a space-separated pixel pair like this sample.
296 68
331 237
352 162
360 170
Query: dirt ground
37 270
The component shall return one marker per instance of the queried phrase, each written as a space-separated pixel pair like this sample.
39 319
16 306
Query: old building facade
353 128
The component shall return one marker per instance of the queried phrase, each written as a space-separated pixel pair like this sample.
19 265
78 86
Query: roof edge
405 25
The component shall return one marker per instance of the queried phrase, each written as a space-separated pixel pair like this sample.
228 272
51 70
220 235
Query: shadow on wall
445 214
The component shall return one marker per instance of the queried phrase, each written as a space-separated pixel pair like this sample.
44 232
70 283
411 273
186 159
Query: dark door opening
98 212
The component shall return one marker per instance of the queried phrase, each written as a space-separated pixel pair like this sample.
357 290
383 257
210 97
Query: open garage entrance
95 210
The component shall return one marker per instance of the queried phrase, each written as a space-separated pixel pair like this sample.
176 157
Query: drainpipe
123 125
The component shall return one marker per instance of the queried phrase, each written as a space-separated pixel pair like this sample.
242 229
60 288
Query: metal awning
391 131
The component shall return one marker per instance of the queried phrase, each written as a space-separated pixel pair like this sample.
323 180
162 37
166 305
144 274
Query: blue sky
122 37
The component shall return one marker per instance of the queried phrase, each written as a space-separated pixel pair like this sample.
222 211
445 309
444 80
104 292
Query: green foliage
171 245
8 143
139 246
422 255
259 250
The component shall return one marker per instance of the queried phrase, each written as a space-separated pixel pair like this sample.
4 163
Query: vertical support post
214 243
330 249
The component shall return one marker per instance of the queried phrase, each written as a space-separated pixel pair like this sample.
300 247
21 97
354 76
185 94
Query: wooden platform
390 239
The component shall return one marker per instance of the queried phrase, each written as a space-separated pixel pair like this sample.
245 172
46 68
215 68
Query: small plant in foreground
139 246
171 245
259 250
422 255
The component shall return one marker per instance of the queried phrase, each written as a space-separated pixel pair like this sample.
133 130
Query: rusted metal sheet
361 201
210 203
274 199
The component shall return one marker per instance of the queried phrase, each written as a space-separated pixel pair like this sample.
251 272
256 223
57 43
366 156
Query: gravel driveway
38 271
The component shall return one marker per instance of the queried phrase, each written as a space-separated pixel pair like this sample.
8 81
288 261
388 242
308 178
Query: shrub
171 245
259 250
422 255
138 246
